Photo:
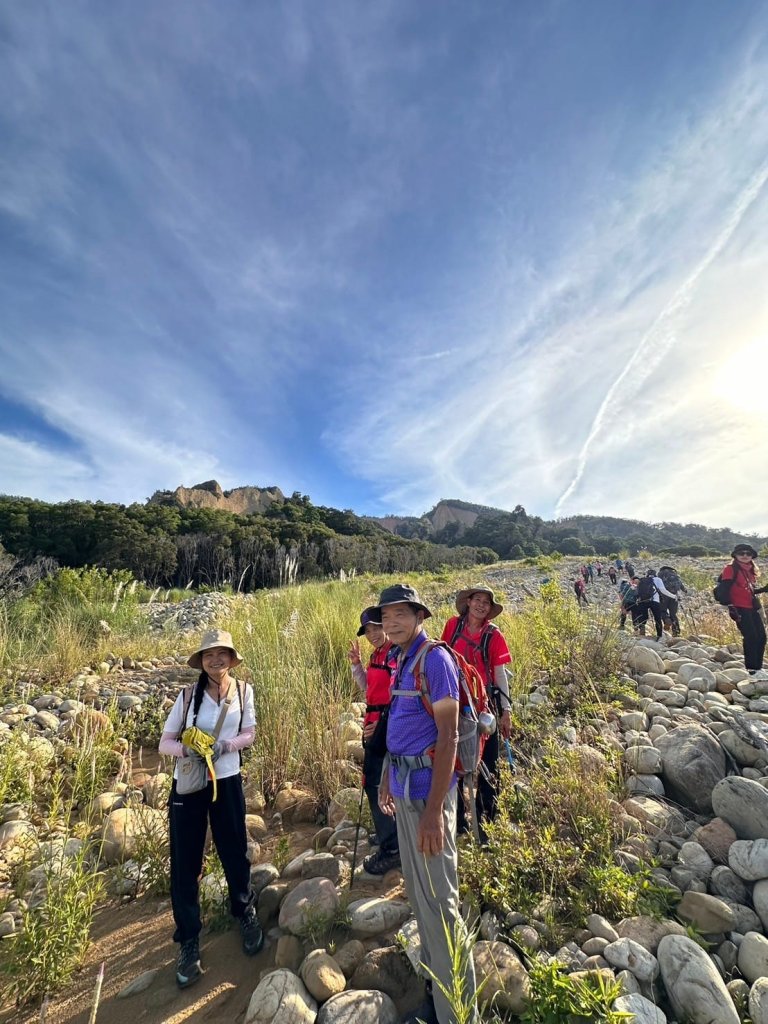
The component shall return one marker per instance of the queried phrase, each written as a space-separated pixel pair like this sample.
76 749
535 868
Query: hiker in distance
649 588
472 634
580 590
744 607
374 680
210 724
421 791
670 605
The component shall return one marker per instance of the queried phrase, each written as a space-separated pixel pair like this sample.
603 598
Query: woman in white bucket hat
216 701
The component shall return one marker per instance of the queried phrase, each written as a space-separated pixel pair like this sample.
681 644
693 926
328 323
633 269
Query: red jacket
743 589
378 676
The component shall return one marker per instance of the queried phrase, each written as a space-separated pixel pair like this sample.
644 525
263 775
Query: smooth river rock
696 991
743 803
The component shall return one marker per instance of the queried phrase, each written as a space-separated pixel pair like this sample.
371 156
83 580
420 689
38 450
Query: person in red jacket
482 644
744 607
375 681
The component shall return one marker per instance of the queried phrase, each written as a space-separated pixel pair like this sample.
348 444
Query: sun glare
747 366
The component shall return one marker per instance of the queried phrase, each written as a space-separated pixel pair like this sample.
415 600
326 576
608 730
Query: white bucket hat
213 638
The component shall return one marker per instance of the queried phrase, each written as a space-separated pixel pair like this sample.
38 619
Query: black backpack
722 591
671 580
646 588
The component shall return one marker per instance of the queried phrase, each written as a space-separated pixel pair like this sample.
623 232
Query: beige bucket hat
213 638
463 596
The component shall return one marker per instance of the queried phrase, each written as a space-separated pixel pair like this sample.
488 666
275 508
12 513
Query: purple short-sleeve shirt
411 729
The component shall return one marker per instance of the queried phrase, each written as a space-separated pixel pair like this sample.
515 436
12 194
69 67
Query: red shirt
469 646
378 676
742 591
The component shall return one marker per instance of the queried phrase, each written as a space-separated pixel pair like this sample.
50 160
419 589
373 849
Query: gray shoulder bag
193 771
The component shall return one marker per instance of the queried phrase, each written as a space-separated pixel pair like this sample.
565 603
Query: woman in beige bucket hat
216 697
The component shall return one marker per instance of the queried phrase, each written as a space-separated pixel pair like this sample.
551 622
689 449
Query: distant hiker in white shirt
649 588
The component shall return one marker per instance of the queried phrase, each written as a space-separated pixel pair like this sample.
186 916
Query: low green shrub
557 998
551 848
54 937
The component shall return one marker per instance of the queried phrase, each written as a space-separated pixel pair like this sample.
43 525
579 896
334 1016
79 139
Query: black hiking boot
250 928
380 863
188 965
373 840
425 1013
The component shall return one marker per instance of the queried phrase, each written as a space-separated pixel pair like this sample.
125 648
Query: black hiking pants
753 631
669 609
644 610
384 824
188 820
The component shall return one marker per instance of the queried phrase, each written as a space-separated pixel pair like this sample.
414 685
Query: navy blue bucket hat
371 616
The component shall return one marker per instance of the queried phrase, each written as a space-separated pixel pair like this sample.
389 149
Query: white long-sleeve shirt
661 589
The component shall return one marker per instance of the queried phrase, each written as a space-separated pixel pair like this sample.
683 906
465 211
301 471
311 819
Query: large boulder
281 998
657 817
641 659
384 969
127 829
313 901
744 805
648 931
749 859
322 975
642 1010
359 1008
374 915
501 978
696 991
707 913
753 956
693 764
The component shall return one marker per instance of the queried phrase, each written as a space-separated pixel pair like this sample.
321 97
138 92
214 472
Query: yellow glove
201 743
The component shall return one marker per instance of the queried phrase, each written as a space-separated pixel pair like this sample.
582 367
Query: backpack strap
241 698
189 693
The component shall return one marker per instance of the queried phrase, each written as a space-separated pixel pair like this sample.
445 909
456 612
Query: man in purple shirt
420 786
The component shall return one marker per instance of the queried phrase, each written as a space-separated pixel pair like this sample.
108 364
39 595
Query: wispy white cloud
588 396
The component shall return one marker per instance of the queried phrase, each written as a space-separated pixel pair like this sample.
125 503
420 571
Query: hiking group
657 595
436 714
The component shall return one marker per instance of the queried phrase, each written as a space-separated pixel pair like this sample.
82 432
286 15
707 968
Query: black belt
375 707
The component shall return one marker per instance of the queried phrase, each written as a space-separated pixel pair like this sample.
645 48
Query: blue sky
511 252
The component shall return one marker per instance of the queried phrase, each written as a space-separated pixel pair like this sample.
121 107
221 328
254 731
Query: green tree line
167 545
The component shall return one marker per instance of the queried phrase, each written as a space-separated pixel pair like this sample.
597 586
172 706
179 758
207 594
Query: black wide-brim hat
744 549
401 593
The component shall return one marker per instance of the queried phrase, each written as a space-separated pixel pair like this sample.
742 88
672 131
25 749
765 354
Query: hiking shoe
188 965
250 928
373 839
380 863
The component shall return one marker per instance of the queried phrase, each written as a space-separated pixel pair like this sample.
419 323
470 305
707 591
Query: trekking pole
357 832
97 995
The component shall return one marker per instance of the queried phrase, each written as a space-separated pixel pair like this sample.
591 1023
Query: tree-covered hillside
291 541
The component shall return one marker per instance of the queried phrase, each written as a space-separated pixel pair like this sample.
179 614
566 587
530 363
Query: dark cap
370 617
401 593
744 549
